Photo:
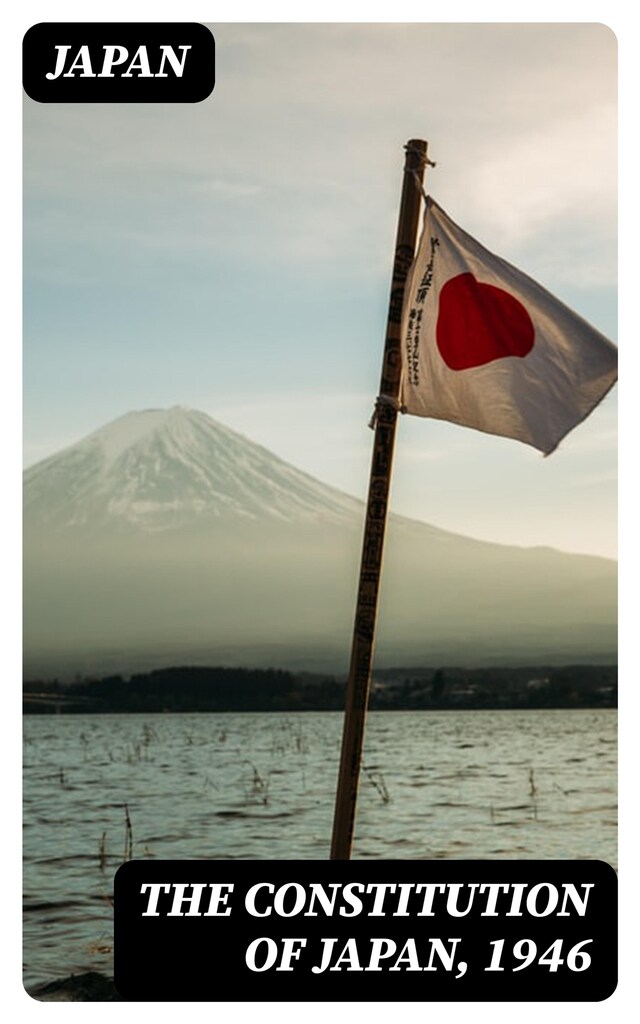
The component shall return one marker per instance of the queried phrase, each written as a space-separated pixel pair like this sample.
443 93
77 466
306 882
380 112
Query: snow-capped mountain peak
162 469
164 535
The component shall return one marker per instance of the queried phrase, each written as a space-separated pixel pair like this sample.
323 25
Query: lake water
450 784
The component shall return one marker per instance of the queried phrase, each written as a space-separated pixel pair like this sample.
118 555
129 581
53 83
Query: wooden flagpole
385 416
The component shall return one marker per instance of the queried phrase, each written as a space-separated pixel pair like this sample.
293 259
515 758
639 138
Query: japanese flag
485 346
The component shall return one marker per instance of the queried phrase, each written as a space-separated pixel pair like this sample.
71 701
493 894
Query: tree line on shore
195 688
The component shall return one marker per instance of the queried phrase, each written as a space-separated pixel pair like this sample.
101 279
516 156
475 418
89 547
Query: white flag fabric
483 345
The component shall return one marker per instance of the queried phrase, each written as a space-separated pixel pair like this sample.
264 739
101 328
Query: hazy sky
235 255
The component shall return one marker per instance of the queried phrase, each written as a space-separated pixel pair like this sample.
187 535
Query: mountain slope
164 536
167 469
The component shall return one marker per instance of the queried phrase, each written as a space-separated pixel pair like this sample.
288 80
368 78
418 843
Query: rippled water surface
450 784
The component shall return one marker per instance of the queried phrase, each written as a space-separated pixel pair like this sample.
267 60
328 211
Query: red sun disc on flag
478 323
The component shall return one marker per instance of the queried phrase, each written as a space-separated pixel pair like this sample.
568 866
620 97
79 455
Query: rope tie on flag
381 400
424 161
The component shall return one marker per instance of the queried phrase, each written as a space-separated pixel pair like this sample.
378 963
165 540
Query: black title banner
118 62
365 930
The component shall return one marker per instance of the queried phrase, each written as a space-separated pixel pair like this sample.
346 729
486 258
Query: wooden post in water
386 415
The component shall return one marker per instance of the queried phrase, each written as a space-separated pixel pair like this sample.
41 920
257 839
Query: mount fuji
162 471
165 538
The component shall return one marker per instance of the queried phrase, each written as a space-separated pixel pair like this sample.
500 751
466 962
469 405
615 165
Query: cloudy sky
234 255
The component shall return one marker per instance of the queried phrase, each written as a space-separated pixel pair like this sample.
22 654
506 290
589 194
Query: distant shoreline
192 689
